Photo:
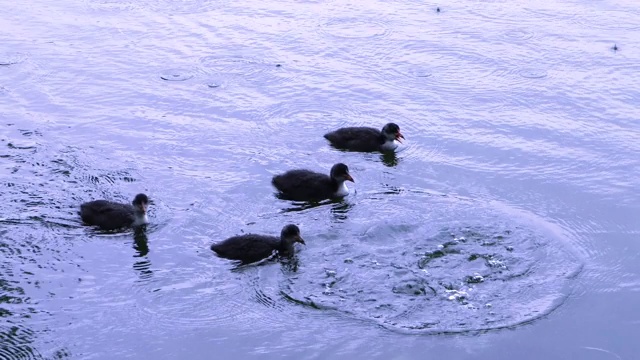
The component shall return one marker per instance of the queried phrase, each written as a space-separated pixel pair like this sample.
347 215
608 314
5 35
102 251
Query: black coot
366 139
306 185
110 215
250 248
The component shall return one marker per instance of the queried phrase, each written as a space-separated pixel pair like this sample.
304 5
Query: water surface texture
506 226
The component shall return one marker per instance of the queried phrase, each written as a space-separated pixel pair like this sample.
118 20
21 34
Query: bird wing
102 211
353 137
249 248
303 183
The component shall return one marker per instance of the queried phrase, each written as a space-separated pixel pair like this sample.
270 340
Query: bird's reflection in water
239 266
306 205
391 190
340 209
140 242
301 206
288 263
389 158
141 245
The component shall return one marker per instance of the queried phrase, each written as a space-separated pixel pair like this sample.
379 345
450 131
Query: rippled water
506 226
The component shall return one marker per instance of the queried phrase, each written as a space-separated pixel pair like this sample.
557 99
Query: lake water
505 227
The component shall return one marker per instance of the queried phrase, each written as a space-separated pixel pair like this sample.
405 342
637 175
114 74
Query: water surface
505 226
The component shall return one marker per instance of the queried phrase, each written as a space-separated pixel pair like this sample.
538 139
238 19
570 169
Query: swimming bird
366 139
306 185
109 215
251 248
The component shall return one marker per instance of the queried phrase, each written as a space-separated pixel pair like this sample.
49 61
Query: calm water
506 226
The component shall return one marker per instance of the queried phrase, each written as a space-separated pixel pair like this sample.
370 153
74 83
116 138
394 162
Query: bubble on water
532 73
176 75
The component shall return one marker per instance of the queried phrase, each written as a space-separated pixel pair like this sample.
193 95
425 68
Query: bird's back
106 214
355 138
247 248
304 185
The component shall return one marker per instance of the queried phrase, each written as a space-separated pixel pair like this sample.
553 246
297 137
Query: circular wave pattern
355 28
414 71
7 59
176 75
228 68
162 6
532 73
236 65
114 5
609 19
518 34
15 343
32 241
467 276
186 6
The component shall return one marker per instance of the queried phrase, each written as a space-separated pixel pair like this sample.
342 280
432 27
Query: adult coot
306 185
250 248
109 215
366 139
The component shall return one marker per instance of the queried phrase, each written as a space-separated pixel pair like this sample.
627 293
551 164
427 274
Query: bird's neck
139 218
286 247
389 144
341 188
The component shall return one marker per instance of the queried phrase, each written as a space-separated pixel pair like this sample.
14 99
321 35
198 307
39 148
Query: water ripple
355 28
7 59
609 19
162 6
532 73
498 101
232 65
176 75
471 270
521 34
16 343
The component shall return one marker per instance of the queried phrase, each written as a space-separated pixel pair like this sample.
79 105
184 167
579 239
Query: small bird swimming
366 139
109 215
306 185
252 248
